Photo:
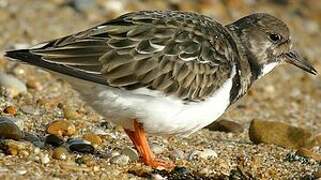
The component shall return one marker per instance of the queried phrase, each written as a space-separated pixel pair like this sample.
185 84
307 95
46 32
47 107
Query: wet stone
54 140
120 159
61 128
9 130
273 132
12 84
131 153
60 153
81 146
226 126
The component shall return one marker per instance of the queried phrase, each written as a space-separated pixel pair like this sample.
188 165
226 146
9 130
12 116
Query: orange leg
139 139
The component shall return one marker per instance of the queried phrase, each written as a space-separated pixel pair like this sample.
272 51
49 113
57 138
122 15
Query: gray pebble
131 153
120 159
12 84
9 130
157 149
34 139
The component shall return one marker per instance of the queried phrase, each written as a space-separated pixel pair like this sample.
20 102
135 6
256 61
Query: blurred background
287 95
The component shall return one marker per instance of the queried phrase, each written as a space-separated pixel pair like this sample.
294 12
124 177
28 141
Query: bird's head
267 41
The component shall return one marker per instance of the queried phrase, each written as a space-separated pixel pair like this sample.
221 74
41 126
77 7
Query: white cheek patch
268 68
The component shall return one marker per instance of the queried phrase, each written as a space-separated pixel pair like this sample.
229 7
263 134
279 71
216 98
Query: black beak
294 58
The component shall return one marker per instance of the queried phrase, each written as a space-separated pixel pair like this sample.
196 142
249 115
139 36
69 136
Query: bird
165 73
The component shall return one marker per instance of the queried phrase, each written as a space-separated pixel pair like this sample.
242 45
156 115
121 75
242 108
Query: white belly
159 114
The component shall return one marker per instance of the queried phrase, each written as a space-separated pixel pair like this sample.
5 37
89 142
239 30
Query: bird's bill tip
294 58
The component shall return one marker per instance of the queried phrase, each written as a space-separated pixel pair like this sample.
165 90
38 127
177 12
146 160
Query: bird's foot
159 164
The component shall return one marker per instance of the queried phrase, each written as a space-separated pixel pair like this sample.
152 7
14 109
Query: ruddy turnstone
166 73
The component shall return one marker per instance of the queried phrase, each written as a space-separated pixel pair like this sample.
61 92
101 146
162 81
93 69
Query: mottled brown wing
182 54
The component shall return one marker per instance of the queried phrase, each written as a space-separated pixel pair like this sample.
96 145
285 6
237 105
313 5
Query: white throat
267 68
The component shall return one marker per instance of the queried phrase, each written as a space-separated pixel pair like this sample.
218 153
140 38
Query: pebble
308 154
34 139
28 109
82 5
70 112
94 139
60 153
120 159
205 154
61 128
13 147
10 110
44 159
54 140
9 130
12 84
226 126
131 153
274 132
81 146
177 154
157 149
34 84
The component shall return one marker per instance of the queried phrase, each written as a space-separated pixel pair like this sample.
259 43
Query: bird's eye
275 37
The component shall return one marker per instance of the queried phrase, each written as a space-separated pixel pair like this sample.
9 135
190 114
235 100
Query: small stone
120 159
61 128
34 84
177 154
9 130
308 154
54 140
60 153
21 171
226 126
205 154
44 159
70 112
131 153
13 147
93 139
12 84
273 132
81 146
157 149
85 159
34 139
10 110
204 171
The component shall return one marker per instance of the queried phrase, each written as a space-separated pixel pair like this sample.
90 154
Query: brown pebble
13 147
61 128
274 132
308 154
226 126
10 110
70 112
34 84
60 153
9 130
93 139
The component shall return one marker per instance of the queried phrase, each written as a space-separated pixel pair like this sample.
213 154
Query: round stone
120 159
93 139
60 153
54 140
10 110
61 128
81 146
9 130
131 153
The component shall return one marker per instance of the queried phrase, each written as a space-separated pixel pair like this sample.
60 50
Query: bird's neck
247 68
